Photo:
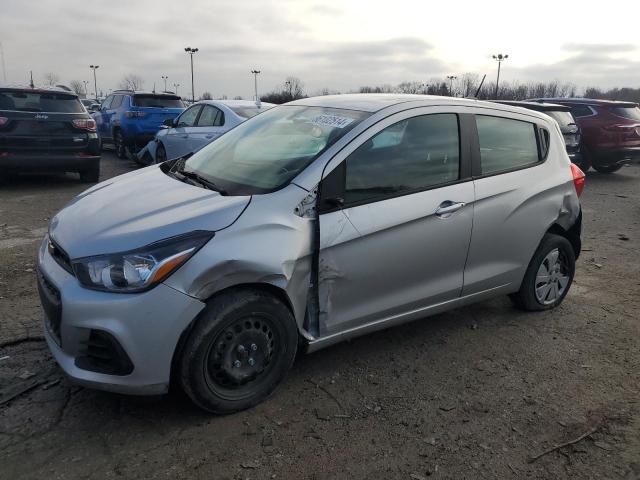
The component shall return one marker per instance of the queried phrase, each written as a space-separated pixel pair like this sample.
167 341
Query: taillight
3 121
578 178
87 124
135 114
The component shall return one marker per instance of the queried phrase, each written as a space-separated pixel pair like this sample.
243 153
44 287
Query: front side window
267 151
188 118
411 155
211 117
117 101
107 103
506 144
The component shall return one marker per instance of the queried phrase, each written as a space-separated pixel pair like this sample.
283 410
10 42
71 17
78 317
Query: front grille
103 354
60 256
51 304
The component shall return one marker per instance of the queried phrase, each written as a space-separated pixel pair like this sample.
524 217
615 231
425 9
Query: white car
198 125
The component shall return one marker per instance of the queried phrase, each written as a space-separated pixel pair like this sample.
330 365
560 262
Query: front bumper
147 326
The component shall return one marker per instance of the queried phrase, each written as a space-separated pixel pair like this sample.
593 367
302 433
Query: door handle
208 136
184 136
446 209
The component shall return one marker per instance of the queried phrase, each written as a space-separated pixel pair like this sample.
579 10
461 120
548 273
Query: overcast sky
339 45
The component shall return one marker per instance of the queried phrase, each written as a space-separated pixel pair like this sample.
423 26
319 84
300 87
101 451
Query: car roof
235 103
538 106
585 101
28 88
373 102
143 92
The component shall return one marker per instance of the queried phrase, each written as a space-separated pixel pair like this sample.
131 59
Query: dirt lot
474 393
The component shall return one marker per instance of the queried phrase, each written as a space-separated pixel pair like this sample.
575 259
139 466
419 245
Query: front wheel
548 276
240 349
161 154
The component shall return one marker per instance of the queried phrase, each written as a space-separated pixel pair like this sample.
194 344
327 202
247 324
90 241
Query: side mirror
169 122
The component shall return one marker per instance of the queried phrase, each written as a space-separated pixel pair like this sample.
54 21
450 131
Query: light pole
86 91
499 58
451 79
95 82
164 77
255 82
191 51
175 86
290 87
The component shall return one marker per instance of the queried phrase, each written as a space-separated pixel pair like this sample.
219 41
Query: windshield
632 113
269 150
50 102
248 112
157 101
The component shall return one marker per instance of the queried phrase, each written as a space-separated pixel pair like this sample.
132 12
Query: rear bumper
44 163
618 156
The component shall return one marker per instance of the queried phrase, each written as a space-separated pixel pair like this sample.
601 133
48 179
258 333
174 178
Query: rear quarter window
506 144
632 113
582 111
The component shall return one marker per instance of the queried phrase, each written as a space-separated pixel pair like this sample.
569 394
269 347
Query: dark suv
47 130
610 129
568 127
130 119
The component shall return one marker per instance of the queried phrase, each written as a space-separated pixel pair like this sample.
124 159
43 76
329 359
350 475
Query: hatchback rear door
395 221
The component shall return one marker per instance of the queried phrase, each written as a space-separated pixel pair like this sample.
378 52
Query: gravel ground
478 392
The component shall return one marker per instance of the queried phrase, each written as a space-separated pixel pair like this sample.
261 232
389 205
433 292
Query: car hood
139 208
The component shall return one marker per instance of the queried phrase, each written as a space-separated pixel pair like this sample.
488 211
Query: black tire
237 328
534 286
585 160
90 176
118 144
607 168
161 154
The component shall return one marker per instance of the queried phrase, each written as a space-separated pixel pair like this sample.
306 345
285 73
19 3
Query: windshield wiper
201 180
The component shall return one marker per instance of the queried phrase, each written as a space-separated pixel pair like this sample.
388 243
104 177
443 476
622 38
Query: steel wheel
552 278
241 355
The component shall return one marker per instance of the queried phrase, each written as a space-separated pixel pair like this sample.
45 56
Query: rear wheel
90 176
607 168
548 276
118 144
240 349
161 154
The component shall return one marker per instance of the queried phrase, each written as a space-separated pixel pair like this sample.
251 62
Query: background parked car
129 119
90 104
610 130
568 126
197 126
47 130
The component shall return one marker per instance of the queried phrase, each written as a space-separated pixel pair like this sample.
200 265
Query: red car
610 131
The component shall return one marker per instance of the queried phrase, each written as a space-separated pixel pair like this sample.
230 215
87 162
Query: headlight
141 269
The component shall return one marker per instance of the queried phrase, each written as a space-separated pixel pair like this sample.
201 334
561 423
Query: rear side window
632 113
211 117
117 101
157 101
248 112
582 111
506 144
411 155
28 101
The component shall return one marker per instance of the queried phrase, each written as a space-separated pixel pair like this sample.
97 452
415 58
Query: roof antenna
31 82
480 86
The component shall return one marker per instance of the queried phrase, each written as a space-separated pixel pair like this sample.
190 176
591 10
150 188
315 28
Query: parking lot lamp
175 88
191 51
255 83
451 79
164 77
86 89
499 58
95 82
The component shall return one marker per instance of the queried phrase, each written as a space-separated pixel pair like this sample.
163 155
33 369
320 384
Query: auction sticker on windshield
333 121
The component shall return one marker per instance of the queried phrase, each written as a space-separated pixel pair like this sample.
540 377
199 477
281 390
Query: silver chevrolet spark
314 222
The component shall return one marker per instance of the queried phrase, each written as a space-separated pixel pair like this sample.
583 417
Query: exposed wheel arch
572 234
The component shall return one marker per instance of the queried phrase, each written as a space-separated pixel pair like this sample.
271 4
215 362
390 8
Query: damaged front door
395 225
